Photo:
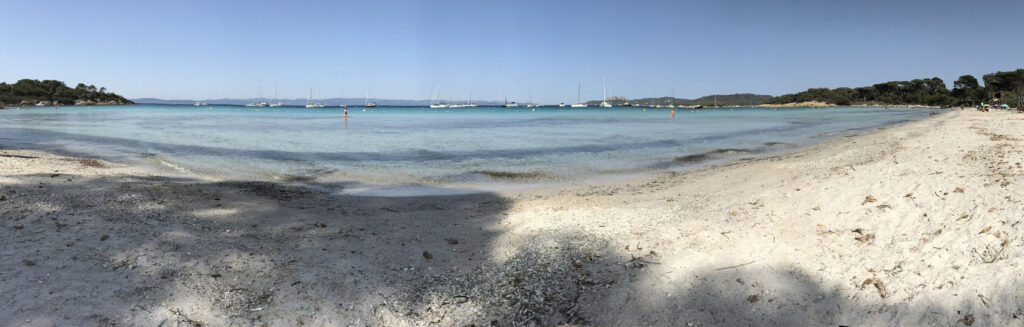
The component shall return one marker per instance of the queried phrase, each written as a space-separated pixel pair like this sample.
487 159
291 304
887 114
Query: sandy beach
914 224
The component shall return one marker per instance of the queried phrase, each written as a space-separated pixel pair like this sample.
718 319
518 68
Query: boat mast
579 87
605 92
436 97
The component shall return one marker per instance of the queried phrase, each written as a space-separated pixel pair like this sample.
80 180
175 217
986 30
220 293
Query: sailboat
604 102
313 104
512 104
578 104
469 103
367 103
277 102
259 98
435 101
671 103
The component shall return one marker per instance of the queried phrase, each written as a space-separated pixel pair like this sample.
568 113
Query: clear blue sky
402 49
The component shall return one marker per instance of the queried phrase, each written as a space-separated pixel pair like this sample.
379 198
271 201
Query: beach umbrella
1005 106
986 105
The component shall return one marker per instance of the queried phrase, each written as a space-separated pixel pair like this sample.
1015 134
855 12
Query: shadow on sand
127 250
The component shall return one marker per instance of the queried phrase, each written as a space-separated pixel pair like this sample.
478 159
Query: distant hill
302 102
739 99
52 92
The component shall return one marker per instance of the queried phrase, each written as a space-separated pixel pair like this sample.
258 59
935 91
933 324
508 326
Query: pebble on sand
427 255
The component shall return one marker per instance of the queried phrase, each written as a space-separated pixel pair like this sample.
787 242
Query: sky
490 49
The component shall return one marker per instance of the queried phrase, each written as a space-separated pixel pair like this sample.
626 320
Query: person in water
673 113
346 111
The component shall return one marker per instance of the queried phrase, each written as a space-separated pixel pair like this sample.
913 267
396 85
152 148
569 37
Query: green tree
966 90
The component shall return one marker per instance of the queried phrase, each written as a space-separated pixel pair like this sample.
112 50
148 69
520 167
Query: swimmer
673 113
346 111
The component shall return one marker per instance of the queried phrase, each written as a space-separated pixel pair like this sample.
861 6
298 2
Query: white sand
917 224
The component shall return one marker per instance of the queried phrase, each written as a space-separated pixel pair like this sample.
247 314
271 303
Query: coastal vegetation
53 92
1001 87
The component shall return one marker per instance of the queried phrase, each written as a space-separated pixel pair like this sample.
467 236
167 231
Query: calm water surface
411 150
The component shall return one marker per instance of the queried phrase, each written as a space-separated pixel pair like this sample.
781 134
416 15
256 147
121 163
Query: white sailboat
259 98
313 104
367 103
276 103
469 103
604 101
672 100
579 104
435 101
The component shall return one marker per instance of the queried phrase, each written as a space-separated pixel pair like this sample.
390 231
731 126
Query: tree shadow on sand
127 250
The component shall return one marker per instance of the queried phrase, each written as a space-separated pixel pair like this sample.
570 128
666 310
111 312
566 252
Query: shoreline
866 229
480 181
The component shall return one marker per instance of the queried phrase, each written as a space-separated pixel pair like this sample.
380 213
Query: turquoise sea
401 151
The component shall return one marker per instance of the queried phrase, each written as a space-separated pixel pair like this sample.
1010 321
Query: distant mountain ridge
739 99
302 102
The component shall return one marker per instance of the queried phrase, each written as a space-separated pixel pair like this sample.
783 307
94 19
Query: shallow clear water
385 147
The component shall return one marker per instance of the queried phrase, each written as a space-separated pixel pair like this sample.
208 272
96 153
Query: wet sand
915 224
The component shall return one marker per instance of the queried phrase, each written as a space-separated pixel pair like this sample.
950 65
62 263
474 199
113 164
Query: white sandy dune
917 224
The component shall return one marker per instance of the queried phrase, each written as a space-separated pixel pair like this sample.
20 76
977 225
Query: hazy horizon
519 50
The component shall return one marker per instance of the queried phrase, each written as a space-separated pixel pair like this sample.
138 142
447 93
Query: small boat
578 104
278 103
512 104
561 104
199 103
367 103
604 102
259 101
435 101
313 104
